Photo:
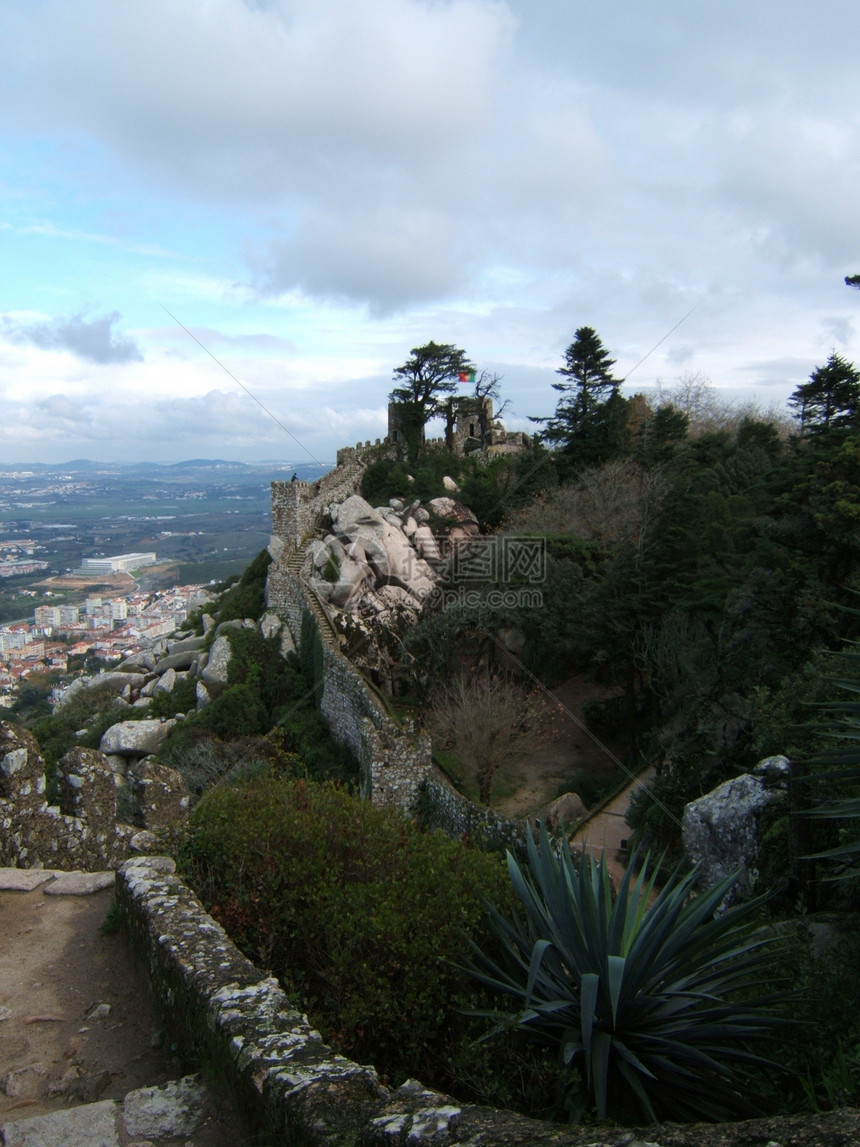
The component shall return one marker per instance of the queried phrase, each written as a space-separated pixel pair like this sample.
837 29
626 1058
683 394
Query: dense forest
703 561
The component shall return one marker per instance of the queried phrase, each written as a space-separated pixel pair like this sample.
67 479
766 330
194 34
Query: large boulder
720 829
564 812
136 738
166 683
115 680
69 694
385 547
185 645
460 524
354 514
182 659
142 662
214 674
270 624
425 543
352 577
86 785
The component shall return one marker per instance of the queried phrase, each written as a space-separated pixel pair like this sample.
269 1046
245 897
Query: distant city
109 628
97 560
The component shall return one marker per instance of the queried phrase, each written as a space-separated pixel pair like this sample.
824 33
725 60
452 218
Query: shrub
247 598
362 916
181 699
383 480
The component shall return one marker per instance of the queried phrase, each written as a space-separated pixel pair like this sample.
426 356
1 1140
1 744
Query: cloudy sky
313 187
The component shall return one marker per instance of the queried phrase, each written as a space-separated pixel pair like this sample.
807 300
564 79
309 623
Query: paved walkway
82 1060
607 831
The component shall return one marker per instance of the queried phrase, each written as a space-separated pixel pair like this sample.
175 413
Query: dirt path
78 1018
608 830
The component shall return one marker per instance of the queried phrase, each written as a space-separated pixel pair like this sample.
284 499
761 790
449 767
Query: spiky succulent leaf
636 990
838 768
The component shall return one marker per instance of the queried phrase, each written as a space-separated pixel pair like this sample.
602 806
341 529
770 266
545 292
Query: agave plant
646 995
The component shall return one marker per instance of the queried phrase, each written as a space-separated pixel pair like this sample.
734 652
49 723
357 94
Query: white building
119 563
47 615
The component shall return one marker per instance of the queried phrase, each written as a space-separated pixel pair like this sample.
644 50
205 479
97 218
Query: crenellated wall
80 832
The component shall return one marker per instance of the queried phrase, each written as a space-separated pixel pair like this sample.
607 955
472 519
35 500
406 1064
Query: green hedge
365 919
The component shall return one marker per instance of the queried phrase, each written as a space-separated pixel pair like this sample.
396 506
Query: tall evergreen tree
424 380
591 414
831 398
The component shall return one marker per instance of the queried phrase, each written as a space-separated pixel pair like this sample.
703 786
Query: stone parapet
443 807
81 832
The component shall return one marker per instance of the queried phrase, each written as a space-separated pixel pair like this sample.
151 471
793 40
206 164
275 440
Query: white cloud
284 89
345 181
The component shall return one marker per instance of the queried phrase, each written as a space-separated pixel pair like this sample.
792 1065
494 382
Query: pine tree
831 398
425 379
590 417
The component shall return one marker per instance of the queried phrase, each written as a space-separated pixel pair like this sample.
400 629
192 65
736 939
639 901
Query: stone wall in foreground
296 1090
81 831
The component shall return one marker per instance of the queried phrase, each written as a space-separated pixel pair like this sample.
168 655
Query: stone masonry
82 830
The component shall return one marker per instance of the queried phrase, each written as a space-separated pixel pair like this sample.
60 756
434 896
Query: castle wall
394 759
81 832
443 807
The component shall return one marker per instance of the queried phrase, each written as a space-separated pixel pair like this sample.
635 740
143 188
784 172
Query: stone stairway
327 630
340 483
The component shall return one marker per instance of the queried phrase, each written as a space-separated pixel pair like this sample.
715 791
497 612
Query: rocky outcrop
159 794
82 830
394 547
79 832
720 829
136 738
214 674
155 672
375 570
562 813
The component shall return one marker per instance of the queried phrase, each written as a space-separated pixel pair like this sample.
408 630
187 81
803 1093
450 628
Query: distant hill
308 471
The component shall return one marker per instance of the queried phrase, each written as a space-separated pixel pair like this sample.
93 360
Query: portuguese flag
466 376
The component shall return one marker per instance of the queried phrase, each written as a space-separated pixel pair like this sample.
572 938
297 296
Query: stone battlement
82 831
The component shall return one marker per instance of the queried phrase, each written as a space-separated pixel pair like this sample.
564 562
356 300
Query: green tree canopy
428 375
830 400
590 416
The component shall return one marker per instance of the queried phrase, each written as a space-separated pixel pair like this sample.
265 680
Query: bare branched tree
486 721
611 504
707 410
